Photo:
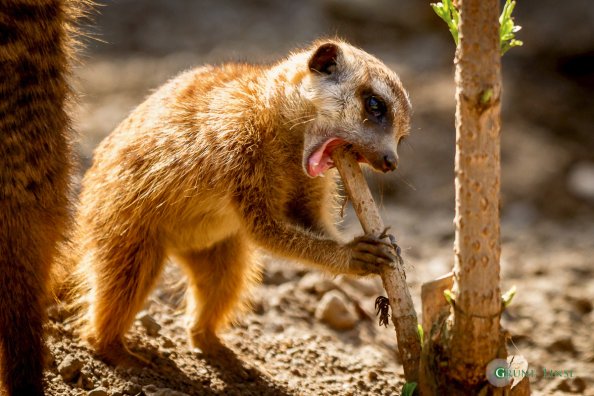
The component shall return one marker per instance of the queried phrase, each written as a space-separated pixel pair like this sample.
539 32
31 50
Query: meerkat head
356 101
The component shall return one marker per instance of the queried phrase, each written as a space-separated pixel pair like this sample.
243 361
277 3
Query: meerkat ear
324 59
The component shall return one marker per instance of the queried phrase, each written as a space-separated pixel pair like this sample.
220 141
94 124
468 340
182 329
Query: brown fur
211 165
35 162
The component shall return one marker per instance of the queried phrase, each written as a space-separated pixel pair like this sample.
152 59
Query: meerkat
221 160
35 163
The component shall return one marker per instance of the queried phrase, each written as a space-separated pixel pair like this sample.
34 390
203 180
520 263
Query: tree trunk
475 331
461 345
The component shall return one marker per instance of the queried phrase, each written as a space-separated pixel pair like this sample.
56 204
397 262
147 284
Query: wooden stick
404 316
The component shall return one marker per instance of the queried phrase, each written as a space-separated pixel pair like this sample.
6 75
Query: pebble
276 277
336 311
581 180
582 305
151 390
366 286
70 368
98 392
85 380
313 282
167 343
148 322
572 385
564 344
131 388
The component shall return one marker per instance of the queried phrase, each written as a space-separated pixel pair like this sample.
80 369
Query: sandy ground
283 347
290 344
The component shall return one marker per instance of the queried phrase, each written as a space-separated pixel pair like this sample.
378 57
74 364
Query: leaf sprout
447 11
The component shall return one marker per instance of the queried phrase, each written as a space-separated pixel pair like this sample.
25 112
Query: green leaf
421 334
449 13
446 11
449 296
507 29
486 96
408 389
508 296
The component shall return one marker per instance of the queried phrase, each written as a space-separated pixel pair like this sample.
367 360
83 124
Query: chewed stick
404 316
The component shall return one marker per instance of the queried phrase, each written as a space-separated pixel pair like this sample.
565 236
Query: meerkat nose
390 162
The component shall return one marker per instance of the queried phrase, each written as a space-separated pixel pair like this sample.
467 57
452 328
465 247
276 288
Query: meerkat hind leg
219 278
125 282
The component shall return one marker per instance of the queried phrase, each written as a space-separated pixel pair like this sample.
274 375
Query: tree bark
463 344
475 332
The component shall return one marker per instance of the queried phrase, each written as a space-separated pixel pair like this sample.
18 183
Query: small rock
85 380
150 389
258 306
336 311
324 286
131 388
581 180
582 305
70 368
296 372
167 343
274 327
98 392
278 276
163 392
366 286
372 376
562 345
361 384
150 325
313 282
572 385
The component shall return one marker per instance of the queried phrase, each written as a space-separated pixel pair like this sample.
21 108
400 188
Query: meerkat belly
205 222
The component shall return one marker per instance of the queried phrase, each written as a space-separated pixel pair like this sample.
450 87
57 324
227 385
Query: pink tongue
320 161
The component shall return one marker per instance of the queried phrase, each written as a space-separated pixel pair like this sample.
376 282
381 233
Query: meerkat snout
358 101
390 162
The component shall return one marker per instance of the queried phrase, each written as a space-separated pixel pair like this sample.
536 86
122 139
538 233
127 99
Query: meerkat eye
375 106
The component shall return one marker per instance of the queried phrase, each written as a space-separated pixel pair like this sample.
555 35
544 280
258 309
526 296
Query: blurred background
548 106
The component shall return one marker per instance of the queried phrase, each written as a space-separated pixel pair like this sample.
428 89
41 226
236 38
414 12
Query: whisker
405 181
297 119
407 142
301 123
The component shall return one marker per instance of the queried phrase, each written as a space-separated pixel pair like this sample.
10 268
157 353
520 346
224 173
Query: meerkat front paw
369 254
